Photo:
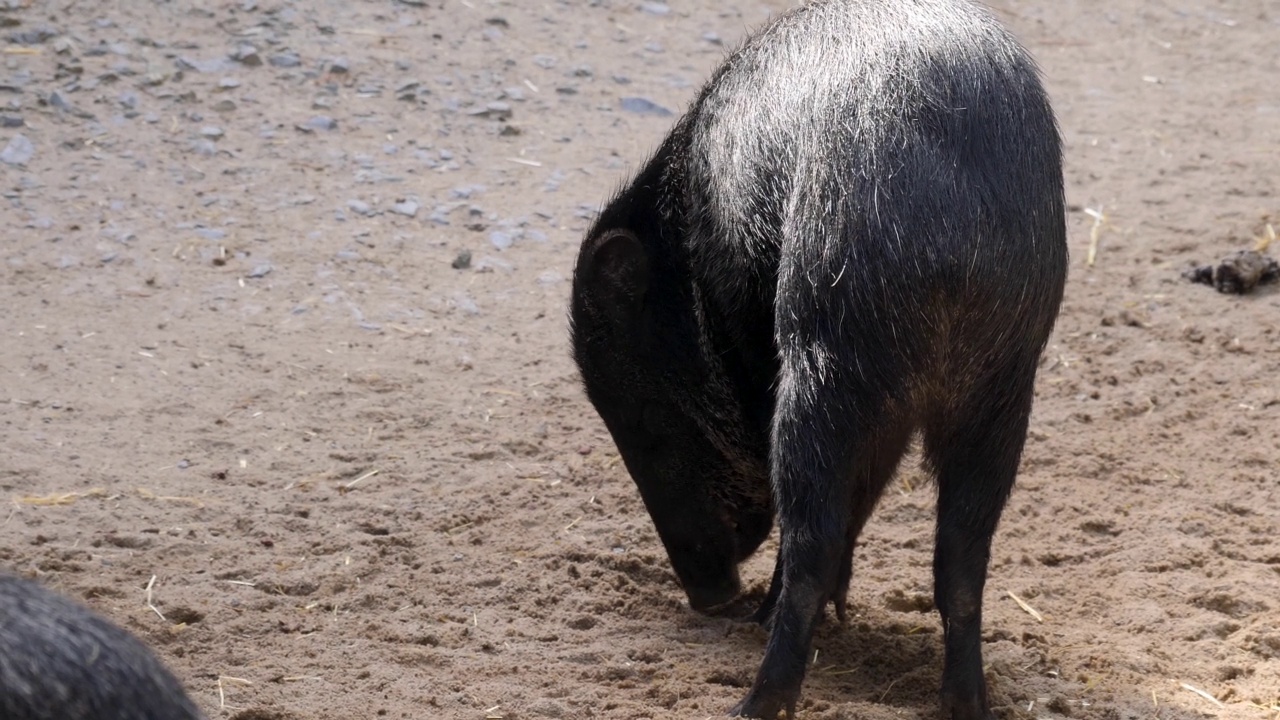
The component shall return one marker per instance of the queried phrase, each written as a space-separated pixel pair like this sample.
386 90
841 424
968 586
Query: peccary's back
901 151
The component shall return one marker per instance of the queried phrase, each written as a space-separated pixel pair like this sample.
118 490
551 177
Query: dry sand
237 357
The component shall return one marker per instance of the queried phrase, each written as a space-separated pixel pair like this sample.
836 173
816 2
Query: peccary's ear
617 273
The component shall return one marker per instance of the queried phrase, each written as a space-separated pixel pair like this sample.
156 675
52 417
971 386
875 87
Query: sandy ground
237 356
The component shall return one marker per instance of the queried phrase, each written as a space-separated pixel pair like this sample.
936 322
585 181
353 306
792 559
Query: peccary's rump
59 661
855 234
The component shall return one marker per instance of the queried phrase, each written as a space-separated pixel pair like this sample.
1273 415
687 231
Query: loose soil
244 354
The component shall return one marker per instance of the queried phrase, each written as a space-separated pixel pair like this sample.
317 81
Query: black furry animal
855 234
60 661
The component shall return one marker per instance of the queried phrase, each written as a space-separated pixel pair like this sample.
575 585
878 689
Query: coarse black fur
855 234
60 661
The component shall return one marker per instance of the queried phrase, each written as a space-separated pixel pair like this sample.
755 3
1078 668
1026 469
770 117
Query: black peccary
60 661
855 234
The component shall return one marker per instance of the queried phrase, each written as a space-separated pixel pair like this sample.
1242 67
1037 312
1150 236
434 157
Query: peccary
855 234
60 661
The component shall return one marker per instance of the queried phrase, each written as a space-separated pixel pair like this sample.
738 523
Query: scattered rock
33 36
213 132
247 55
319 122
201 66
18 152
260 270
502 239
285 60
643 106
408 208
496 110
462 261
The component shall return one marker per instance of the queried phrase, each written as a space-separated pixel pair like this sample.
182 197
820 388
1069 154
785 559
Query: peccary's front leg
810 470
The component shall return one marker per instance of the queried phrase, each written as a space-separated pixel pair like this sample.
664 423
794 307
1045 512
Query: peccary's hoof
973 707
764 705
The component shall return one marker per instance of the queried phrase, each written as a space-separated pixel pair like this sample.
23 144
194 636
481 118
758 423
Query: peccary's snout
713 593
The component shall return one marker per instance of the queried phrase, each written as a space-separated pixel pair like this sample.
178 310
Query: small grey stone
339 66
546 62
201 66
321 122
496 110
128 100
58 100
712 38
360 207
211 233
34 36
408 208
224 105
11 121
247 55
502 239
462 261
285 60
18 152
204 147
643 106
655 8
552 183
466 304
227 83
260 270
347 255
213 132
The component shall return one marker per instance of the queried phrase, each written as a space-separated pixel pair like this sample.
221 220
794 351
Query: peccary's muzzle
714 592
705 552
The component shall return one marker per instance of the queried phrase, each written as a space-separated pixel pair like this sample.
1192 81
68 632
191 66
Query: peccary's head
644 363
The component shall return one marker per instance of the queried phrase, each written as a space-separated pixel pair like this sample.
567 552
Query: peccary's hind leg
975 447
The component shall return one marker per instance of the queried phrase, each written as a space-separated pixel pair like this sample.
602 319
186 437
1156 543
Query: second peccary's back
909 138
